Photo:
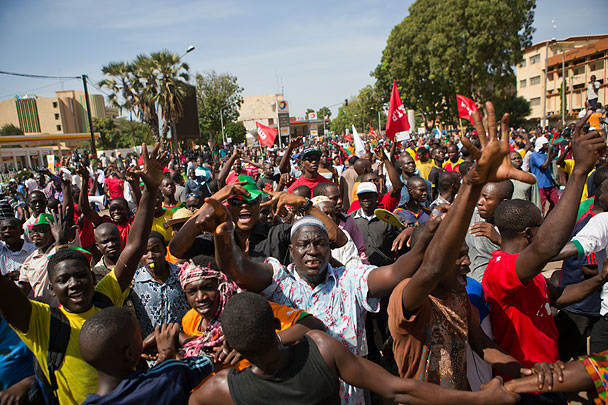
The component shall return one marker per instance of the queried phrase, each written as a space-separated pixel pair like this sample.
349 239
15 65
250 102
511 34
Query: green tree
120 133
119 84
236 131
517 107
361 111
324 112
10 129
219 98
446 47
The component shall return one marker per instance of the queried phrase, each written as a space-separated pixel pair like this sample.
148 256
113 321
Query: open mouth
77 296
313 263
245 217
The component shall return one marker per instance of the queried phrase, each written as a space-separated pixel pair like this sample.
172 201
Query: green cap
254 191
43 219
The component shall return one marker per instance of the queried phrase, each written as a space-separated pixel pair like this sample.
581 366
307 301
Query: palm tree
119 85
145 89
171 85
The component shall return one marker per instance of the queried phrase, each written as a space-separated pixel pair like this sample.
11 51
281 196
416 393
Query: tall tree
324 112
446 47
219 98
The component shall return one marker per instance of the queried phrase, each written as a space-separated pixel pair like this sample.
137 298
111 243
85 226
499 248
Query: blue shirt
571 274
405 195
543 176
16 360
169 382
477 298
408 217
157 303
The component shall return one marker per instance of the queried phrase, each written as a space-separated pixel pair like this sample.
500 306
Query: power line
93 84
28 91
39 76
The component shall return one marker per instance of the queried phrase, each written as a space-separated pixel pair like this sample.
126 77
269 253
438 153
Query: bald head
108 241
362 166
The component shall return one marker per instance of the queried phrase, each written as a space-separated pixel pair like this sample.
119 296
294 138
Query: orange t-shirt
288 317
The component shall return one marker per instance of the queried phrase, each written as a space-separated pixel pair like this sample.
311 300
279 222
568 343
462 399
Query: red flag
266 134
372 132
397 117
348 138
466 107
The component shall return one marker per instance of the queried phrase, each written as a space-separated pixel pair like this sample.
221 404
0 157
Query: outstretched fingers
492 125
580 124
481 131
504 128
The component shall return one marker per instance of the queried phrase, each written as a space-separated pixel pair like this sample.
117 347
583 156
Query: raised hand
130 174
166 340
154 163
211 215
83 172
586 147
59 227
282 198
231 189
295 142
485 229
493 162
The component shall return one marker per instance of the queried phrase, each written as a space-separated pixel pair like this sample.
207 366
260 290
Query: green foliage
120 133
218 95
10 129
517 107
563 98
446 47
323 112
149 86
236 131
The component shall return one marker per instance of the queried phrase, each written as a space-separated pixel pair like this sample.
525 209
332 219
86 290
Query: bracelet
307 206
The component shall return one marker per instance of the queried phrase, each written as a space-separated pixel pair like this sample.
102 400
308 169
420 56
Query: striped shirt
11 260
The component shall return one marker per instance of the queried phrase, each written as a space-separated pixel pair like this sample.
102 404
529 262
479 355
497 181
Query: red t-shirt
116 187
123 228
385 201
310 183
85 231
233 177
521 314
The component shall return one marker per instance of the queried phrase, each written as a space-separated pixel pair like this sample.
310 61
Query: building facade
262 109
66 113
576 59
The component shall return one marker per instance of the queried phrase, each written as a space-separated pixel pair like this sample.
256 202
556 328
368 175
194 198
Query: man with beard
243 201
338 296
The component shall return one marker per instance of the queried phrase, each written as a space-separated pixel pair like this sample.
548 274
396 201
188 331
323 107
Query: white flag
359 148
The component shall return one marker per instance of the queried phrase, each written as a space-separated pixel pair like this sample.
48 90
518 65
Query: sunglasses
196 195
239 201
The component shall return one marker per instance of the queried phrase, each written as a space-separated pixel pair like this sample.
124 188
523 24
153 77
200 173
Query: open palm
154 163
493 162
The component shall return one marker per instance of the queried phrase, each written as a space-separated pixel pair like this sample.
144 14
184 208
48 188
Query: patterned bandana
212 336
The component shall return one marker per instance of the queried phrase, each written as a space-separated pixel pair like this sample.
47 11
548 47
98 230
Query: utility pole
545 89
222 122
86 98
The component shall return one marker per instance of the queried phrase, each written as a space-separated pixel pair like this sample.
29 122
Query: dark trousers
548 194
549 398
599 336
573 332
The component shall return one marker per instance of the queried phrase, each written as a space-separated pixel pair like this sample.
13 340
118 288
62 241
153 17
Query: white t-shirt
592 90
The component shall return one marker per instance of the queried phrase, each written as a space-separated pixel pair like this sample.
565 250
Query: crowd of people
407 272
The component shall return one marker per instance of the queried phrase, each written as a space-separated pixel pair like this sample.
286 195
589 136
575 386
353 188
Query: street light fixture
190 49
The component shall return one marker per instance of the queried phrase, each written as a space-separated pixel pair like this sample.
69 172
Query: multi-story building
579 58
262 109
66 113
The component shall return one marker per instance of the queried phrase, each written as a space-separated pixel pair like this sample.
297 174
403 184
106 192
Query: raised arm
227 166
14 305
83 198
395 190
284 165
152 175
336 235
250 275
557 226
133 181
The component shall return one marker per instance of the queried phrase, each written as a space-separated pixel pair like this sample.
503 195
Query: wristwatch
306 206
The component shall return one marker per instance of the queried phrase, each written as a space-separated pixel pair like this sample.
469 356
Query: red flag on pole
372 133
466 107
266 134
397 117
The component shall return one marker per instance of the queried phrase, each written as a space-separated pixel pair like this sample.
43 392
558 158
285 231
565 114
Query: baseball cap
367 187
254 191
540 141
310 152
43 219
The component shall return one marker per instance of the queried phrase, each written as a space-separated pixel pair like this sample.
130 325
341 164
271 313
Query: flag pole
461 131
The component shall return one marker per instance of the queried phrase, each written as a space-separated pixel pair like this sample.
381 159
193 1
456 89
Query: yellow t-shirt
75 378
158 225
568 167
425 168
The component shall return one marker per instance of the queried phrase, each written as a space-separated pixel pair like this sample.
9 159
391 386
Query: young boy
110 341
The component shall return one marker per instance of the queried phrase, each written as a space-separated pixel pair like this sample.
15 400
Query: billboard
187 127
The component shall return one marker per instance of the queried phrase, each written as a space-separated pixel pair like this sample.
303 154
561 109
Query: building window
522 83
522 63
534 101
535 59
54 104
270 121
550 76
597 65
58 127
56 116
579 70
534 80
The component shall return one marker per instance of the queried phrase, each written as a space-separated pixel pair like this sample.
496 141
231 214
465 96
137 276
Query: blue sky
319 52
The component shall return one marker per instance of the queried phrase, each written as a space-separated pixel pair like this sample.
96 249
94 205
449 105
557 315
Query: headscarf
212 336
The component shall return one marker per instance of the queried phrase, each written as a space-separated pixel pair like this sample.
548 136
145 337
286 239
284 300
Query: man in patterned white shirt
340 297
14 250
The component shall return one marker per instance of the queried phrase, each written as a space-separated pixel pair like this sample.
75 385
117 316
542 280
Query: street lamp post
173 129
